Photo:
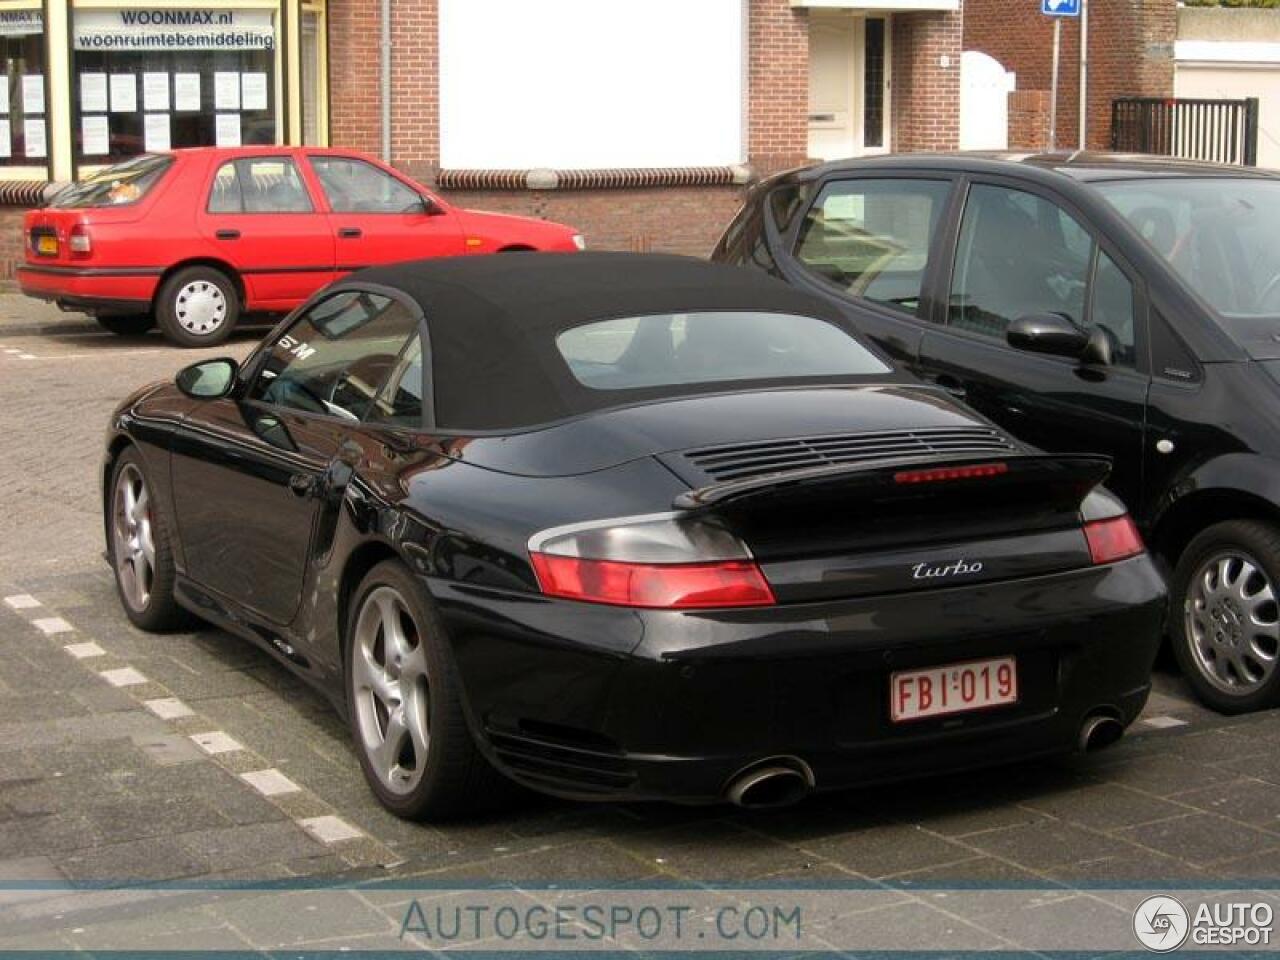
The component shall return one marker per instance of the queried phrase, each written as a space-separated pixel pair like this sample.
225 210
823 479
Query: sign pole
1084 72
1053 96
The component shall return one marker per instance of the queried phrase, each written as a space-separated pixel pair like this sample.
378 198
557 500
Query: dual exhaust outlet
782 781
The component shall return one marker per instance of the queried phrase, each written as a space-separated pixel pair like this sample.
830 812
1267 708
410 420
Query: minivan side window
871 238
1020 254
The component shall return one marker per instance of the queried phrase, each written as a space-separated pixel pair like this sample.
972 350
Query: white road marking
52 625
168 708
21 601
12 350
124 677
270 782
26 356
90 356
82 651
1162 723
215 741
330 829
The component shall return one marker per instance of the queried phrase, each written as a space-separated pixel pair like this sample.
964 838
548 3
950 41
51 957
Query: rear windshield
124 183
628 353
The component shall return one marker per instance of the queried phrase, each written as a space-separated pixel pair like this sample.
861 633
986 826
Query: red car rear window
124 183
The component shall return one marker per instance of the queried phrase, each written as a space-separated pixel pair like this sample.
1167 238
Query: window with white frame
592 84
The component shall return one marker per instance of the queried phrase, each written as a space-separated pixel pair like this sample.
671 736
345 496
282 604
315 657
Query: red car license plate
954 688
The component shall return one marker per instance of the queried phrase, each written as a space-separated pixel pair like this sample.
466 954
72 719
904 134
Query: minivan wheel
404 700
139 549
198 307
1226 629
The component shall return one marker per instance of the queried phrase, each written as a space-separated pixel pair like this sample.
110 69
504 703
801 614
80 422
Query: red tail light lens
935 474
673 586
1114 539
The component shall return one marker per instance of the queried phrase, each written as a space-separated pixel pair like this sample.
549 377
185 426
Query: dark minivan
1114 304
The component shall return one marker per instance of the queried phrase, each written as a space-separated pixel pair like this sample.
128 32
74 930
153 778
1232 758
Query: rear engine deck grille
747 460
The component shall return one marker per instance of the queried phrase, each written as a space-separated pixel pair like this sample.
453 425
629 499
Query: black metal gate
1225 131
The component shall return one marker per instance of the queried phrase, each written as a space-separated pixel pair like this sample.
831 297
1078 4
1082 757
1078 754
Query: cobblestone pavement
129 757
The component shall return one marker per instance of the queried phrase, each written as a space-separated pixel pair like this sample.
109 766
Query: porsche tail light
79 243
655 562
1115 538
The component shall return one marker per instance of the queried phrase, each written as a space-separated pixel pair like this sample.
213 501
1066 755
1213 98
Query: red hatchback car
194 238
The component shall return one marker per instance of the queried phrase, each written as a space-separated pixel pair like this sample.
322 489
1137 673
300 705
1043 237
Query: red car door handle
350 233
228 234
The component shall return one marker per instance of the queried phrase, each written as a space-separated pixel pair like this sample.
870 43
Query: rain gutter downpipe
384 79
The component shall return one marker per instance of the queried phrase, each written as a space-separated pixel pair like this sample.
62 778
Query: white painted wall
590 84
1235 82
984 102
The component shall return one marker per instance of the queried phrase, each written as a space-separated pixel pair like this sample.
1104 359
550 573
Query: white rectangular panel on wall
592 84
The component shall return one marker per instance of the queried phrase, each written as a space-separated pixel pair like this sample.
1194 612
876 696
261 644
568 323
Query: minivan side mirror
209 379
1050 333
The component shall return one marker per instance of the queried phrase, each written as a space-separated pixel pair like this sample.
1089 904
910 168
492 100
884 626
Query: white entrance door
848 85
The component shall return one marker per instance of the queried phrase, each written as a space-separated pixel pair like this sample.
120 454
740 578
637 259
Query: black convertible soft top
493 322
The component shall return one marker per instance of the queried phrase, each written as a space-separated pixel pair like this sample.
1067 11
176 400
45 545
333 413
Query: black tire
1222 627
175 309
455 779
127 325
159 611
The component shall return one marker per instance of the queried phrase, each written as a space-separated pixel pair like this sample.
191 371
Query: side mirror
1049 333
209 379
430 207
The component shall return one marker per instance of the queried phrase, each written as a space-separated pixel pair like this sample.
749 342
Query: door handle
350 233
228 234
302 485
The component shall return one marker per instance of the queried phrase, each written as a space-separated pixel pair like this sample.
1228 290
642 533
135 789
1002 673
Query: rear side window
688 348
259 185
124 183
871 238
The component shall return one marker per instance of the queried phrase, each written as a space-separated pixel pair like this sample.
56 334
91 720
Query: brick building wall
1130 54
926 80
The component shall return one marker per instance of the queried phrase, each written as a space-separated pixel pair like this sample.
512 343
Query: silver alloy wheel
201 307
1233 622
133 537
392 693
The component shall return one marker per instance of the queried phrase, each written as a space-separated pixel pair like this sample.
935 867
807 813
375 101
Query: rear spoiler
1077 471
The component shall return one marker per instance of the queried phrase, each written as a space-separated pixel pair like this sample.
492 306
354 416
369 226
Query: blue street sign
1060 8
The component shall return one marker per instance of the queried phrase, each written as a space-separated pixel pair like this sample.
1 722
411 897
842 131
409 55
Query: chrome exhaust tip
1099 731
778 782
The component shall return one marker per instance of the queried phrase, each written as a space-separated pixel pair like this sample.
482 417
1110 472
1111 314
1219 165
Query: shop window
154 79
24 130
259 185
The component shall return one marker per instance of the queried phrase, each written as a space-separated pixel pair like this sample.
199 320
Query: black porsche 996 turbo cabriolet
620 526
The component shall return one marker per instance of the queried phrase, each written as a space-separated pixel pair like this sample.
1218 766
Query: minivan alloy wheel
391 688
1233 622
133 537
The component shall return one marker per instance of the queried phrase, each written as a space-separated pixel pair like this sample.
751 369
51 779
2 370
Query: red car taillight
658 563
1115 538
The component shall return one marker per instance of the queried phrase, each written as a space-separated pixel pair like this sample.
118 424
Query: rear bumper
592 701
94 290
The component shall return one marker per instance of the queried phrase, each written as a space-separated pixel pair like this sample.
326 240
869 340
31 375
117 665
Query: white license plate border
1017 689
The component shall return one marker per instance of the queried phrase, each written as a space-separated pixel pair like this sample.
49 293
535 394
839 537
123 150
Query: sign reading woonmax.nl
189 29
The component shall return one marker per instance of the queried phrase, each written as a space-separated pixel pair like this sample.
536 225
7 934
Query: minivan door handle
350 233
228 234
